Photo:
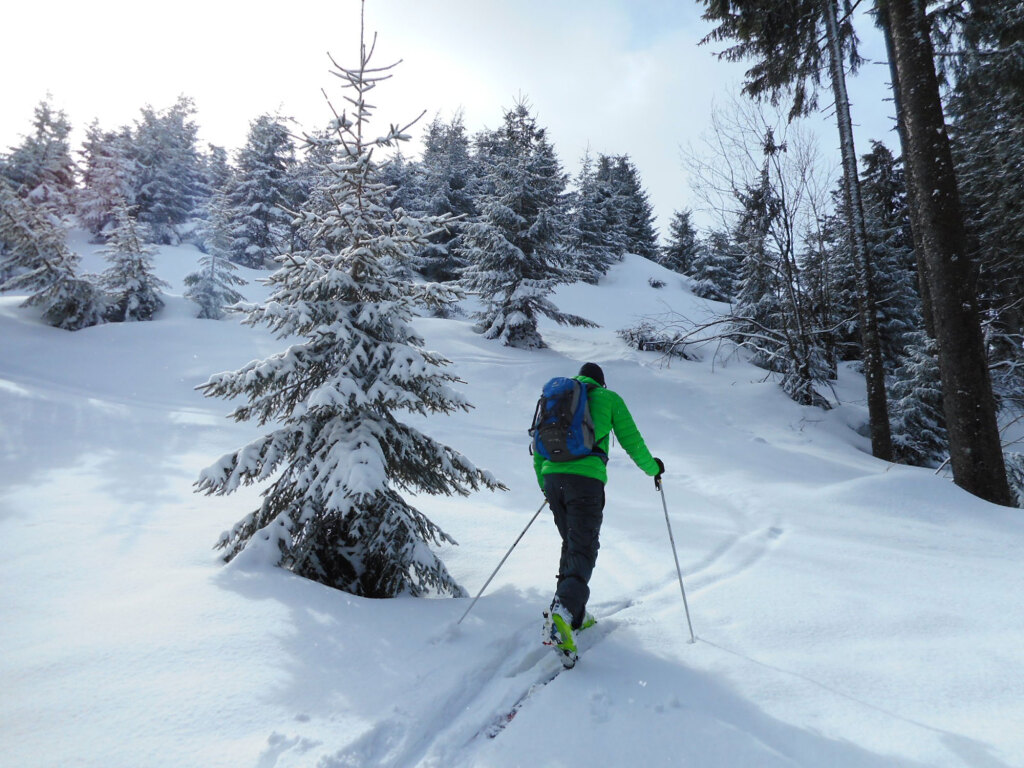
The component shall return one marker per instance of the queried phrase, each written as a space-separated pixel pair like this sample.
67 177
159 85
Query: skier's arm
538 462
631 439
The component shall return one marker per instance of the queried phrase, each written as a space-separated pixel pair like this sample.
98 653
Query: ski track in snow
490 696
734 557
483 704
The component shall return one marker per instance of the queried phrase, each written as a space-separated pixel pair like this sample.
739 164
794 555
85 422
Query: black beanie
593 371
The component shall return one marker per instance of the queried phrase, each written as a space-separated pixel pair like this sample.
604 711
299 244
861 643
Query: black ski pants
577 503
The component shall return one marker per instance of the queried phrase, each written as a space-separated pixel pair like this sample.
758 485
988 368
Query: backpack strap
595 451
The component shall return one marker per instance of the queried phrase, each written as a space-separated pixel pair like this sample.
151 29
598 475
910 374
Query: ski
499 723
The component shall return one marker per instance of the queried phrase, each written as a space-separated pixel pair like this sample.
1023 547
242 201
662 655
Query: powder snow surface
848 612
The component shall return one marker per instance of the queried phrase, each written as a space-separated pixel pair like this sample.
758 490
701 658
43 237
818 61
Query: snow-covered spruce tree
41 168
218 176
887 232
887 225
516 250
446 172
338 454
613 208
683 249
310 180
217 172
714 267
636 211
838 272
171 185
35 254
402 175
133 287
212 287
594 237
822 249
919 434
402 178
757 298
261 193
108 177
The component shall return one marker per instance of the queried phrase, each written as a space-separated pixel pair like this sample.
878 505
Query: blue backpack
563 429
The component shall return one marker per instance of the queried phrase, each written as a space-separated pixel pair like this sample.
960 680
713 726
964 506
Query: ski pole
535 515
679 571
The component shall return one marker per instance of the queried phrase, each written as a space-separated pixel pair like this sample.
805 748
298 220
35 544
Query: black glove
661 471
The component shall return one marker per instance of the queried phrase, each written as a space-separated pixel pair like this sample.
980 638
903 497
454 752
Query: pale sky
619 76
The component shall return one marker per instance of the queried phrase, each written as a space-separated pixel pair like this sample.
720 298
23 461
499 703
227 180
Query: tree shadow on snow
131 450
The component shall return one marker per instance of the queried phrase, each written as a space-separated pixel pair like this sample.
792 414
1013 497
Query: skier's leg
554 492
583 500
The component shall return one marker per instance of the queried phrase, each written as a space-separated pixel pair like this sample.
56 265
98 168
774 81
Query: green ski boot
559 635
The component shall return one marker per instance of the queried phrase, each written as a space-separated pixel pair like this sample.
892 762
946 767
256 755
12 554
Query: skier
575 492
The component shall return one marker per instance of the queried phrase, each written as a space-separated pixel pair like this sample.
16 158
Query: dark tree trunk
912 207
974 447
874 372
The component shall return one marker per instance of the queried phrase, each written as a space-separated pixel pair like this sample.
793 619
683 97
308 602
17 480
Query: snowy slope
848 612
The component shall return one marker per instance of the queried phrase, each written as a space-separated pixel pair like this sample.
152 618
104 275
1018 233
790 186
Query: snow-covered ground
848 612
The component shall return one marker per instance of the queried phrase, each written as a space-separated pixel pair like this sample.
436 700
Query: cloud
621 77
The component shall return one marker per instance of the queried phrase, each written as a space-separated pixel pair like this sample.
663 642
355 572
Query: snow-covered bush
645 337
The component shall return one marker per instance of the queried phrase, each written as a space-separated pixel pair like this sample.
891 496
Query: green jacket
609 412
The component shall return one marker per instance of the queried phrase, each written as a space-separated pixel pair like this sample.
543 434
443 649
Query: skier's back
575 492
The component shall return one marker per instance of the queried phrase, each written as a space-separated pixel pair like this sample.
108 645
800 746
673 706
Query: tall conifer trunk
913 209
968 403
874 373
